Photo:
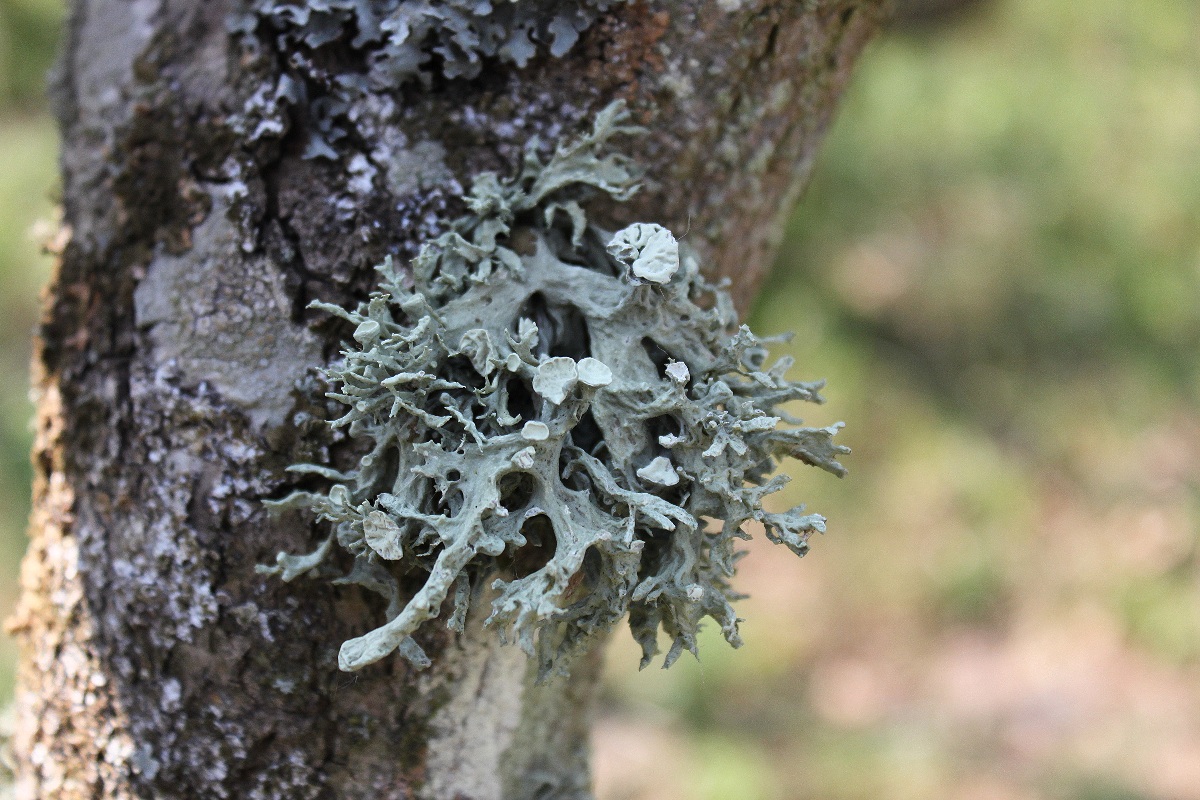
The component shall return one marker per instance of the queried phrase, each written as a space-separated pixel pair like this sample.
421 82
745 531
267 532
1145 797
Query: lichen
459 34
540 414
222 333
384 44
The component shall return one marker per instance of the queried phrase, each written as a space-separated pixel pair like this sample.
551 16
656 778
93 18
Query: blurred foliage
28 34
998 269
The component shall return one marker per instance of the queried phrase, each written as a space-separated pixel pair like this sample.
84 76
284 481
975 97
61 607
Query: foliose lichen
340 53
405 39
566 414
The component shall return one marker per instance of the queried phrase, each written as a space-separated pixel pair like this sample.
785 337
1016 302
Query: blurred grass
998 270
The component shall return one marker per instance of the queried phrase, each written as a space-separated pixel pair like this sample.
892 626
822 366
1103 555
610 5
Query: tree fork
175 377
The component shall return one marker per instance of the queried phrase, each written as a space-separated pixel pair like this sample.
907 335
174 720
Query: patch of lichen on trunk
344 50
568 414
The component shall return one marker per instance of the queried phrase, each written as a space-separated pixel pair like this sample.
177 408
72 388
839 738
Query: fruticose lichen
566 414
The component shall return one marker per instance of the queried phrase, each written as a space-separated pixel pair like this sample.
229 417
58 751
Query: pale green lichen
541 417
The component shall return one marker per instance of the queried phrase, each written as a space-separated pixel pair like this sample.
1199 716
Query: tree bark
176 363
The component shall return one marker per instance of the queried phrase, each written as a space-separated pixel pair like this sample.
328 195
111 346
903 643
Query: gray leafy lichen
567 414
340 53
403 39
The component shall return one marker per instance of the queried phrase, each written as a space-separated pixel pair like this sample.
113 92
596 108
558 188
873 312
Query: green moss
558 419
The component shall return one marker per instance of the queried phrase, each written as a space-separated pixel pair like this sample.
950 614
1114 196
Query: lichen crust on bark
555 410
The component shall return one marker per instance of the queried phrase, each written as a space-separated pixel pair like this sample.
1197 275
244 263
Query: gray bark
175 381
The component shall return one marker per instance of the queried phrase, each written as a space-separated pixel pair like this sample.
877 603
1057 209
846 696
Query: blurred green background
28 181
998 270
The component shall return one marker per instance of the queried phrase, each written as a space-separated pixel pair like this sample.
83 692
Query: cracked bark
175 381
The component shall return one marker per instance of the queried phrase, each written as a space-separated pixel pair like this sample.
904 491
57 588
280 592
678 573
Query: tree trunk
176 361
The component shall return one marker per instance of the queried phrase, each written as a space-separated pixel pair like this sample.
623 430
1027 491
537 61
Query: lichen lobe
586 437
404 40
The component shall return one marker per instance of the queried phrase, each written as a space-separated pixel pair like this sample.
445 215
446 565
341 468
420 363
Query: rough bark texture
176 381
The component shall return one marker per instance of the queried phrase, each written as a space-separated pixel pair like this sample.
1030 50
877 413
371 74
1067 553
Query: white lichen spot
383 535
757 424
694 592
593 372
362 174
535 431
144 762
650 251
781 94
118 750
660 471
524 458
555 377
527 329
172 694
678 83
678 372
284 685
